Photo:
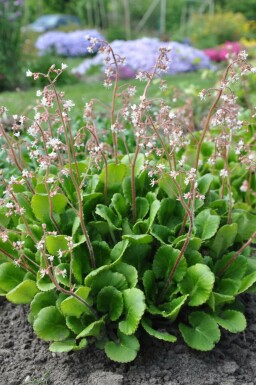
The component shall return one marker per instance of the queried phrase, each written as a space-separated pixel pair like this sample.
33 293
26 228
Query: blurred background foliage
201 23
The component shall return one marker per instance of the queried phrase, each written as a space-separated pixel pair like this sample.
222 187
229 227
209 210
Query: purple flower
141 55
67 44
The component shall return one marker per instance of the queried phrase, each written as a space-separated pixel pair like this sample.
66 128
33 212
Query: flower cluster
222 52
141 55
68 44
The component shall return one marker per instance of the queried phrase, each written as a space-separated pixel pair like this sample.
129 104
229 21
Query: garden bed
25 359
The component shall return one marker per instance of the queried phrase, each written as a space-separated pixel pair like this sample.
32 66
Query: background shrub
210 30
10 43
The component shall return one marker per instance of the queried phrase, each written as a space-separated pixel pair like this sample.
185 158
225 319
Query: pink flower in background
220 53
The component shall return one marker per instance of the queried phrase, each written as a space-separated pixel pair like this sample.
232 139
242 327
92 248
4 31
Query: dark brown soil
25 360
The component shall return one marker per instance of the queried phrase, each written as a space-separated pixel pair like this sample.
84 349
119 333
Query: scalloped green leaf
142 207
246 223
62 278
94 329
41 208
149 283
109 215
108 278
217 300
73 307
44 283
23 293
41 300
247 282
171 310
129 272
10 276
224 238
138 239
138 164
118 251
154 207
227 286
203 333
125 350
75 324
120 205
206 224
50 325
231 320
164 262
160 335
165 212
204 183
116 174
62 346
110 300
161 233
198 283
82 345
54 243
134 307
235 270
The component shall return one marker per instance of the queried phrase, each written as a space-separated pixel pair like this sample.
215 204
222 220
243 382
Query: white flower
60 253
50 180
64 66
44 101
38 93
224 173
29 73
202 95
244 187
42 272
68 104
172 115
174 174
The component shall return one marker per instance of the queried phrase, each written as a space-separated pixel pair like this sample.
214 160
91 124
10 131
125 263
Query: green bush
107 232
10 43
211 30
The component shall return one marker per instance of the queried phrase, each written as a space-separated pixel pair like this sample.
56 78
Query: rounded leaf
203 333
134 305
125 350
72 306
110 300
198 283
206 224
224 238
62 346
94 329
10 276
164 262
23 293
231 320
50 325
54 243
129 272
41 300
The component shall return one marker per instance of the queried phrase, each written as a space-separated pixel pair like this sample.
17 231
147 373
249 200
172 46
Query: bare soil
25 360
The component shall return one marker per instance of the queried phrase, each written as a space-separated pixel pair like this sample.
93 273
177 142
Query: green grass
21 102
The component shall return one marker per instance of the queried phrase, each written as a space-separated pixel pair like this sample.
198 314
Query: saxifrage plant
139 225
